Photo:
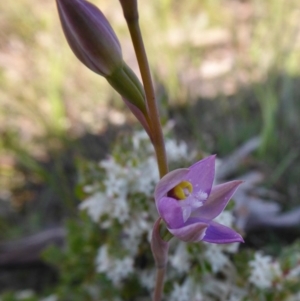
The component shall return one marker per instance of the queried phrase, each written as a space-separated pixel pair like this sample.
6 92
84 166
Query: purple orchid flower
188 203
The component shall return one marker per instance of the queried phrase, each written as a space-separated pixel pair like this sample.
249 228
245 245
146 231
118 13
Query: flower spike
96 45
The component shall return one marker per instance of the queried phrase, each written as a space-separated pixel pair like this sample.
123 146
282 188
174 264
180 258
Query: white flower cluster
119 183
186 291
116 269
122 204
28 294
180 259
294 274
181 292
178 150
147 278
50 298
141 224
264 271
123 180
215 256
127 182
25 294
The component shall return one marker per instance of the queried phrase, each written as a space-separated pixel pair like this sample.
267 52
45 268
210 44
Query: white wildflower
138 138
102 260
99 204
215 257
264 270
121 269
115 185
118 208
116 181
198 295
180 259
226 218
25 294
234 297
295 297
177 150
106 224
236 294
230 248
138 225
115 269
294 273
148 176
147 279
187 291
89 188
50 298
181 292
95 205
110 165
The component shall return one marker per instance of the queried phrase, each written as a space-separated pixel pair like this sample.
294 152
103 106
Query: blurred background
224 70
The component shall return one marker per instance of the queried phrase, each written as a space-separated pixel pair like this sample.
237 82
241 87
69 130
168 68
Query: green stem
130 11
153 114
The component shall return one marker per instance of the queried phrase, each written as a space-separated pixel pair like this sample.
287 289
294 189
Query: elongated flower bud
90 36
95 44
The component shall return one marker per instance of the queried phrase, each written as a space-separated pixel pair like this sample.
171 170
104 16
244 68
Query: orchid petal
171 212
218 199
168 182
191 232
202 174
220 234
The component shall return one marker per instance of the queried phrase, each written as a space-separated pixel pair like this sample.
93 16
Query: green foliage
10 296
86 274
75 263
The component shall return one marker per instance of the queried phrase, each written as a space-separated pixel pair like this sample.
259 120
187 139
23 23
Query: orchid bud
90 36
96 45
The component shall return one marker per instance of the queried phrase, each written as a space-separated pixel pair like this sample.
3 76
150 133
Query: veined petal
168 182
191 232
220 234
77 48
171 212
217 200
201 175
